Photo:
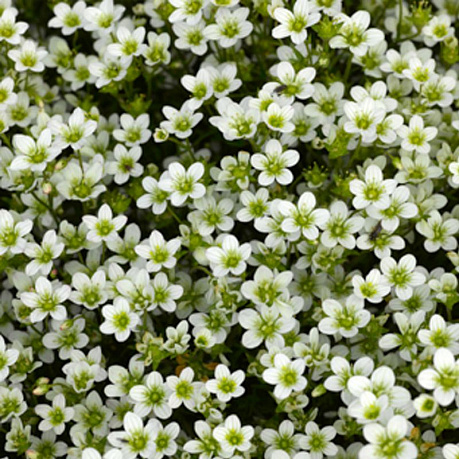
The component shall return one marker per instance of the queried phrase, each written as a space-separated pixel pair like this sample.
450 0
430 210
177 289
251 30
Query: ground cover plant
228 229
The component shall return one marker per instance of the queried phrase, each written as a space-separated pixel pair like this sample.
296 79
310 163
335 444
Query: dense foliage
228 229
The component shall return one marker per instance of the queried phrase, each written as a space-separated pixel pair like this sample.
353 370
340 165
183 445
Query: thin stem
347 72
47 206
400 19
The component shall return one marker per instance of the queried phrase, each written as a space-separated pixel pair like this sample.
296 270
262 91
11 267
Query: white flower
439 232
303 218
264 326
374 190
7 94
103 17
46 300
230 26
372 288
226 385
437 91
163 438
274 163
43 254
278 118
443 379
74 132
282 440
89 292
135 439
55 416
329 7
134 130
34 154
386 129
211 215
66 339
369 408
236 121
354 35
156 198
318 441
181 122
286 375
398 208
451 451
125 164
158 252
419 72
68 18
298 85
206 446
183 389
10 30
8 357
416 137
406 339
152 395
363 118
129 45
294 24
103 227
440 335
388 442
223 79
255 206
229 258
157 49
438 29
327 103
268 288
426 406
183 183
119 319
177 338
108 69
402 275
454 169
344 319
191 37
28 57
79 75
187 10
199 86
340 228
12 233
165 294
232 436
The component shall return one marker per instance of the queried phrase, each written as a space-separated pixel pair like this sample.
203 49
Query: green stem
400 19
177 218
47 206
347 72
6 140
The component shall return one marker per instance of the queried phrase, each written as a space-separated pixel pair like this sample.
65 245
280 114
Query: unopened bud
59 165
138 9
318 391
66 325
449 50
40 390
160 135
453 258
47 188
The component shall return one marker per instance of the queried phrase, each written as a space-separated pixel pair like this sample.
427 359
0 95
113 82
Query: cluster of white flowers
228 229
